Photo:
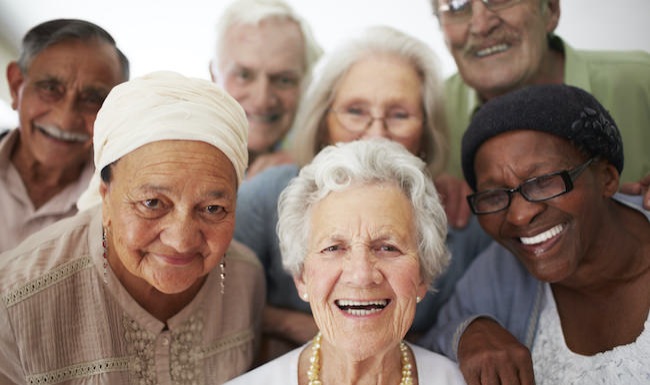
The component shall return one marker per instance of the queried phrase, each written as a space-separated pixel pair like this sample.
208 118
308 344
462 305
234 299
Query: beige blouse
60 323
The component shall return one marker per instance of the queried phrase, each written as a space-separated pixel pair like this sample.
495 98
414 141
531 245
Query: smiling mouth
542 237
492 50
361 308
63 136
263 118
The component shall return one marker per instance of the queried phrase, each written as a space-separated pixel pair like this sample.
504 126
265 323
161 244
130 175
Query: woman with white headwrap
144 285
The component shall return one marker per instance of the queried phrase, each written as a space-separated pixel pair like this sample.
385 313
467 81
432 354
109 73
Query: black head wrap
562 110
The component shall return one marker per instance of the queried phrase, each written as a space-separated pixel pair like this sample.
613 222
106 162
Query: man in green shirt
500 46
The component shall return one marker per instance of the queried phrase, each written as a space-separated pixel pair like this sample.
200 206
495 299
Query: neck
160 305
335 367
620 253
42 181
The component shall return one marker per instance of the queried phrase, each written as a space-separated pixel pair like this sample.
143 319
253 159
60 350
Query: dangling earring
105 255
222 266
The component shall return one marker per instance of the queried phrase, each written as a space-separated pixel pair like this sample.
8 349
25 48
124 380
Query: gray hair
253 12
309 126
365 162
55 31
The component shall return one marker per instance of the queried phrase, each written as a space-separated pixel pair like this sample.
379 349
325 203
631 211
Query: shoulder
436 368
281 371
237 251
271 178
61 245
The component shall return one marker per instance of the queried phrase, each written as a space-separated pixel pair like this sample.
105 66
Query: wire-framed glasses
538 189
458 11
358 120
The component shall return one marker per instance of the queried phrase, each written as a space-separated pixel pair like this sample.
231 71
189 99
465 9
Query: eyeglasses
358 120
536 189
458 11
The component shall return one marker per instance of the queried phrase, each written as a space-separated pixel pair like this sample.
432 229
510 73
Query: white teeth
56 133
362 312
361 308
545 236
346 302
491 50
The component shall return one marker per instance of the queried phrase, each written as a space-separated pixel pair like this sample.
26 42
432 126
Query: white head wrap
166 106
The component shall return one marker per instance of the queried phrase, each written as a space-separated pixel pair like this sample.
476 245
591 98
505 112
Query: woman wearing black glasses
563 297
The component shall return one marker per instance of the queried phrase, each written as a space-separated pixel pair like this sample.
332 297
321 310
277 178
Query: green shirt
619 80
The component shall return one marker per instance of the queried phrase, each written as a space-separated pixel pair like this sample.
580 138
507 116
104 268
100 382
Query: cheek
218 237
490 223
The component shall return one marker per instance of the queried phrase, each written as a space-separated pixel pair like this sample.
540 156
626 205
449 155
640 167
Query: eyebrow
219 194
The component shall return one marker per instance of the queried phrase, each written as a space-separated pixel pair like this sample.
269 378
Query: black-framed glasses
358 120
458 11
538 189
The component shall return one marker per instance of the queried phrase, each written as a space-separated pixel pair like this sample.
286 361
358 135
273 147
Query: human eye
388 250
242 74
356 111
455 6
150 208
215 212
151 204
491 200
544 186
92 100
50 89
398 115
285 81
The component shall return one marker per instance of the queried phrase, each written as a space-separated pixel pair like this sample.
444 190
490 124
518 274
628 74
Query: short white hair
363 162
253 12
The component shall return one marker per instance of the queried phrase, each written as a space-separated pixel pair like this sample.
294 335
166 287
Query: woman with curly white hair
362 232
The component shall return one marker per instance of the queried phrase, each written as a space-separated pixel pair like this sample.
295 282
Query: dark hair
106 173
55 31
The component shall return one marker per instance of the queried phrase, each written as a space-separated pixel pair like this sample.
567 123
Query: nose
522 212
66 115
182 232
360 268
483 20
376 129
262 94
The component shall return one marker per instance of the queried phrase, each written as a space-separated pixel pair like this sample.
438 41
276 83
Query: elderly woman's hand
642 187
489 355
452 192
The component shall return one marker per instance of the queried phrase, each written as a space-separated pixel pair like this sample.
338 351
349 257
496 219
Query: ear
552 12
15 80
610 179
103 192
301 286
212 68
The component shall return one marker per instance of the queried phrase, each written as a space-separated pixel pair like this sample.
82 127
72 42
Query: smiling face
362 271
497 52
385 86
169 214
57 100
551 238
262 66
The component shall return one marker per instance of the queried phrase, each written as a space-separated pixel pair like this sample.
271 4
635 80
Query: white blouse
554 363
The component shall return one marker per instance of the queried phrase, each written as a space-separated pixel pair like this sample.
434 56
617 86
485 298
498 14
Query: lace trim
229 342
80 371
186 356
45 281
140 345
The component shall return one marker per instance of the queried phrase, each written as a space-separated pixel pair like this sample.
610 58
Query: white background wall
178 35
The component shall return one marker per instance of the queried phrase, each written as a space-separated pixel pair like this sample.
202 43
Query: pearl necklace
313 374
